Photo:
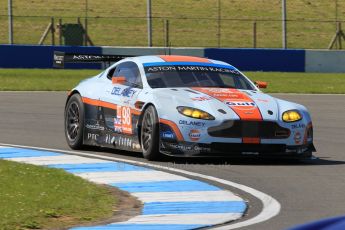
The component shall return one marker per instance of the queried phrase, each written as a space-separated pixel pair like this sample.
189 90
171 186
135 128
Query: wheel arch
141 118
70 94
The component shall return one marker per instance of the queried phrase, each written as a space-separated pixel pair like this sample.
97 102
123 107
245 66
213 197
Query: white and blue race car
183 106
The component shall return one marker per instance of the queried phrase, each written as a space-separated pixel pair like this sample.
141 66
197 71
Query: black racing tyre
150 134
74 122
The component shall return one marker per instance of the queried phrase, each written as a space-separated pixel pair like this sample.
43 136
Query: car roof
177 59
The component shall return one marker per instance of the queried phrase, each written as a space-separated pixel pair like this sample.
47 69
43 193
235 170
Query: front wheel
150 134
74 122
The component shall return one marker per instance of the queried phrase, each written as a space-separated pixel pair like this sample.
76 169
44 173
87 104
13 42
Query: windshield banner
188 68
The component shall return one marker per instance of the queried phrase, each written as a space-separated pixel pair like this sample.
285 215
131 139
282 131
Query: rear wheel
150 134
74 122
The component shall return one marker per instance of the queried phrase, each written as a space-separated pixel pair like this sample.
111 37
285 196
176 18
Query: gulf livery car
184 106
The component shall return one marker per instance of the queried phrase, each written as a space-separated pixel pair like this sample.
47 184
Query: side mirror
261 84
118 80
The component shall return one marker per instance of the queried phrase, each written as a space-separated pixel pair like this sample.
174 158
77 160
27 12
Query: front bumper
215 149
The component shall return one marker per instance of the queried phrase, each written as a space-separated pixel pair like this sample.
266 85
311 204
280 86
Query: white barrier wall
325 61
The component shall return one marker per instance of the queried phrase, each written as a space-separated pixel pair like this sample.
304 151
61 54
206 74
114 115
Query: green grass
332 83
192 22
33 197
62 80
42 79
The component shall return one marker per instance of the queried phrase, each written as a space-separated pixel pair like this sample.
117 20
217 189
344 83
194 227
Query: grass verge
62 80
311 23
327 83
42 79
34 197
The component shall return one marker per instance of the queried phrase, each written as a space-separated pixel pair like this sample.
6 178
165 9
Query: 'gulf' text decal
238 101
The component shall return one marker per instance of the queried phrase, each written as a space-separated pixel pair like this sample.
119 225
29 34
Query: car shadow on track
245 160
258 161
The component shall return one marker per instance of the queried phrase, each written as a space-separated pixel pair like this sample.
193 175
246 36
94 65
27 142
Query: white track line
200 219
130 176
271 207
56 160
206 196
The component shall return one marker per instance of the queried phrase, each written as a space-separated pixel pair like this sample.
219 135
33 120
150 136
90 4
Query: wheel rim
72 121
147 131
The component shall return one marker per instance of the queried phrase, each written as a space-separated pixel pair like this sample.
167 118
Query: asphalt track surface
307 190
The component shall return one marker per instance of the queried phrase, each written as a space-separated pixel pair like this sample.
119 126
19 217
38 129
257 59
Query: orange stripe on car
105 104
251 140
177 58
90 101
174 127
238 101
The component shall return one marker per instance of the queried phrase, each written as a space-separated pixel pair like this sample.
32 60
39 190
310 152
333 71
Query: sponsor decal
298 137
123 142
302 150
194 135
263 100
201 149
119 141
109 139
123 120
188 148
58 59
192 123
87 57
238 101
127 92
117 125
250 153
92 136
298 126
188 68
221 93
96 126
241 105
181 147
203 98
168 135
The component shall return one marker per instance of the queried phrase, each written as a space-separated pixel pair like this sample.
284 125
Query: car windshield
212 75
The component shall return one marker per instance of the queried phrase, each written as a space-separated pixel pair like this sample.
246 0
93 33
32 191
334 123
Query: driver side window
131 72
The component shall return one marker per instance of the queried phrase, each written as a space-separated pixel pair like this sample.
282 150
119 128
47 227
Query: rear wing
60 58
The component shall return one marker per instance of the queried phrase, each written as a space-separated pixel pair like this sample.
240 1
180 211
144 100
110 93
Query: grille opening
282 133
243 128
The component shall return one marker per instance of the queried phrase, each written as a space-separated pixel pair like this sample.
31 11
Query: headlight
195 113
291 116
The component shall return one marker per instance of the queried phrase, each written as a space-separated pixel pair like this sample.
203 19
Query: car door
119 104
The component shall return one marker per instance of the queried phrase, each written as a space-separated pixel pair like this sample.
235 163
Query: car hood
243 104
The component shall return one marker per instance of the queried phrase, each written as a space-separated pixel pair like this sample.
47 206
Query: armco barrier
18 56
261 59
24 56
